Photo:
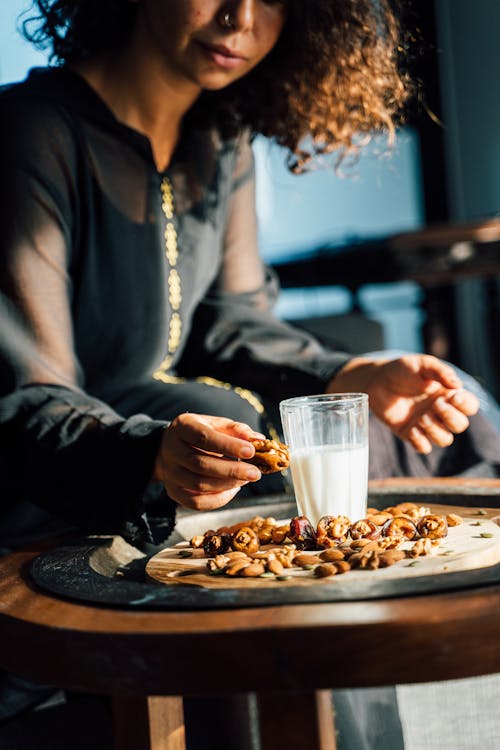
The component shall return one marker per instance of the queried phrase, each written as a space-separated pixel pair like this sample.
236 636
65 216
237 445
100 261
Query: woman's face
210 43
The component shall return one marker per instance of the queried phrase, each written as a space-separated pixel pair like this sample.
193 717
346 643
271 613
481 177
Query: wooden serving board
464 549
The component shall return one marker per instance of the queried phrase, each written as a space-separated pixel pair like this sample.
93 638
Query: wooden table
290 655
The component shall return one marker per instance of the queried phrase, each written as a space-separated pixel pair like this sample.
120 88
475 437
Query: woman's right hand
196 460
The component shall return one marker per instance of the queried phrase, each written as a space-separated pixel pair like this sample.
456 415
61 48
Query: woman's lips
222 56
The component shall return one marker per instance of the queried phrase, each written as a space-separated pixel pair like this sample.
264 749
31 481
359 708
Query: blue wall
16 55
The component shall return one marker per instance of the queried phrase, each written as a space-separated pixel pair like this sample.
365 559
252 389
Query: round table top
304 646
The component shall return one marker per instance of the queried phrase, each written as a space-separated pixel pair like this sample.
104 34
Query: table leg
148 723
297 720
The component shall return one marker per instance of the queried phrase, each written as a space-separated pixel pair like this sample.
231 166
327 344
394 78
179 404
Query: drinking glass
327 435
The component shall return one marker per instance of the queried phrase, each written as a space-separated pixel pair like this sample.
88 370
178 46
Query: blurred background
330 236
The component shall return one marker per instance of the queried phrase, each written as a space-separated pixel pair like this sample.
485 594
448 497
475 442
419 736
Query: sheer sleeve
235 333
61 448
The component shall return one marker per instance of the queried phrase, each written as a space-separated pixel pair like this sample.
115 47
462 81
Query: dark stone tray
107 571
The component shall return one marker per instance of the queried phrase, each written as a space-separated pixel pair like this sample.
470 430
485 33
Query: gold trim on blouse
174 280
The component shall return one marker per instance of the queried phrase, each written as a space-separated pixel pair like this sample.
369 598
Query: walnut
420 547
368 560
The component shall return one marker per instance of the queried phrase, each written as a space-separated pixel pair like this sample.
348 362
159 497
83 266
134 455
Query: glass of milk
327 436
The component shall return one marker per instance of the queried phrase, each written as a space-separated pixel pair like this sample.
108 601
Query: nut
432 527
365 544
324 570
454 519
380 518
197 541
306 559
331 555
342 566
420 547
236 567
365 560
274 566
390 556
253 570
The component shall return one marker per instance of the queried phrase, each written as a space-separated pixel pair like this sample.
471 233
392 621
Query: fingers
446 417
199 461
464 401
215 435
207 473
203 502
418 440
434 369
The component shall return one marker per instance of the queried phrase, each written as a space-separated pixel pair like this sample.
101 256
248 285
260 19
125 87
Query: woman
130 269
132 289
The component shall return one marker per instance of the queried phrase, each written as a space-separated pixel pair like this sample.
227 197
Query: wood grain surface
101 649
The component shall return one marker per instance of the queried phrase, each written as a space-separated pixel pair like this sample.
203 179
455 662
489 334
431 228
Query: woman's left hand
418 396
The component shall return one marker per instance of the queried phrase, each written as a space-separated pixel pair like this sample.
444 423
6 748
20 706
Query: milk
330 480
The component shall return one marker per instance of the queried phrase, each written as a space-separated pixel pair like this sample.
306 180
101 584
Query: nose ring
226 21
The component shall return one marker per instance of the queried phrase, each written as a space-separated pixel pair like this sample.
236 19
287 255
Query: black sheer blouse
112 274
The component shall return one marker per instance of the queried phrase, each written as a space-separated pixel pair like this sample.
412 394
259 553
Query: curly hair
333 80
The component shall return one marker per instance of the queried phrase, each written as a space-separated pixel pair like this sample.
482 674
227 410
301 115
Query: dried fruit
215 544
364 529
270 455
432 527
302 533
332 530
399 527
245 540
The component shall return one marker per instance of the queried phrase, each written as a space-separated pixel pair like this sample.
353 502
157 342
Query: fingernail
253 474
247 451
458 397
424 421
